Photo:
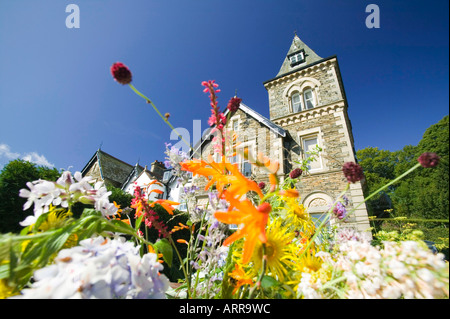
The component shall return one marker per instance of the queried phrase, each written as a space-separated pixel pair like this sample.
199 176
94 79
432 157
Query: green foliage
122 198
423 194
14 177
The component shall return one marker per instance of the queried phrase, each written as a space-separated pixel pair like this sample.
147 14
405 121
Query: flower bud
264 208
295 173
233 104
121 73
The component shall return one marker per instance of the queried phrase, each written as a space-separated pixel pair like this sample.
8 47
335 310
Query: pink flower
212 120
121 73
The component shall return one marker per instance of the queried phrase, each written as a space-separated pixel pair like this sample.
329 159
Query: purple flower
353 172
339 210
428 159
295 173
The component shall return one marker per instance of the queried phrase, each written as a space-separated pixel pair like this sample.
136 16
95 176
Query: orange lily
293 193
224 174
254 221
240 278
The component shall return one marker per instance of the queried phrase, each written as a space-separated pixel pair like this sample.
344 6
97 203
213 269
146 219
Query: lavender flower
173 159
339 210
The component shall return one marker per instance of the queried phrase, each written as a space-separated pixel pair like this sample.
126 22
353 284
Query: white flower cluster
173 159
65 191
100 269
404 269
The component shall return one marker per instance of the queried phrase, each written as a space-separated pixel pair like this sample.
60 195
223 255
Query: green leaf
163 247
138 222
89 212
268 282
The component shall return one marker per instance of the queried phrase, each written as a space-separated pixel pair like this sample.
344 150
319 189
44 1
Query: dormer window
297 57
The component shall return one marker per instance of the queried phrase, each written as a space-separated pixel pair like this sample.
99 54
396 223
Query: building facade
308 109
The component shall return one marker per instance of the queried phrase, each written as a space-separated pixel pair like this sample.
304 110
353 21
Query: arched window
308 96
296 102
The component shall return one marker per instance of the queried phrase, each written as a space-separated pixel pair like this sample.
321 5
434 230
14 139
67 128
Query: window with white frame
297 58
244 165
296 102
234 156
308 97
310 144
235 125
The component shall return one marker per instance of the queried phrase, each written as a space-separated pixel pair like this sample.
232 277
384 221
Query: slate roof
111 168
296 46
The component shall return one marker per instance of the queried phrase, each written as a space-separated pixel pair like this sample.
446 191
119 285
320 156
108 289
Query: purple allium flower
121 73
295 173
428 159
353 172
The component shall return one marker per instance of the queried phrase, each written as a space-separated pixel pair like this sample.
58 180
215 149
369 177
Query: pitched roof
298 45
246 109
111 168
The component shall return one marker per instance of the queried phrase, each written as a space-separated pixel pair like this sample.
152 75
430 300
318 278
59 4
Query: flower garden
277 251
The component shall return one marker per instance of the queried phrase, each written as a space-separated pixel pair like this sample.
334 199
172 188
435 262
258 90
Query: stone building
308 108
113 171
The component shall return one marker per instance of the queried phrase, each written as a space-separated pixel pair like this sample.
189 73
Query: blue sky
59 103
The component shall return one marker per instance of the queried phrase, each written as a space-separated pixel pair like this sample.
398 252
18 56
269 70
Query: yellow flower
56 218
297 216
279 254
5 290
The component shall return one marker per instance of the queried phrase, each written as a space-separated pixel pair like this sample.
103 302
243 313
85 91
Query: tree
13 177
425 194
379 169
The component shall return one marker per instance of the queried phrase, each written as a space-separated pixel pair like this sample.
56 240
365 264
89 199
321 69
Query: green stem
387 185
181 262
203 246
263 272
159 113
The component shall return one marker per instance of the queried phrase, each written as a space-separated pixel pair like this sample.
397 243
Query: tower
307 99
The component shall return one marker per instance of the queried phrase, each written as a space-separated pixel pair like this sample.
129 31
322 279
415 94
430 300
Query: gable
252 120
105 167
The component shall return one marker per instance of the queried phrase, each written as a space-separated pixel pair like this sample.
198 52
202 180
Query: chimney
157 169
